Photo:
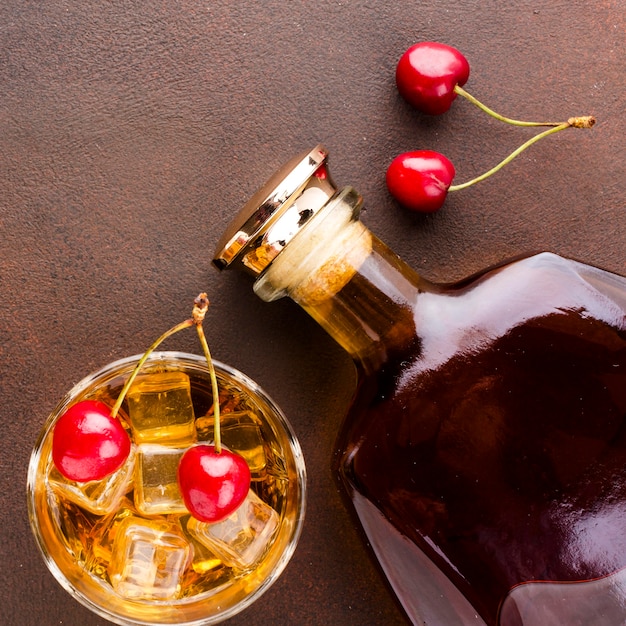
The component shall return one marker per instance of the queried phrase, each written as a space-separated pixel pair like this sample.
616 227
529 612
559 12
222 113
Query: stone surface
132 132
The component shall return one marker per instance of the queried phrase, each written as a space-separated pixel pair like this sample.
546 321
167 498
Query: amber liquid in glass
489 450
90 546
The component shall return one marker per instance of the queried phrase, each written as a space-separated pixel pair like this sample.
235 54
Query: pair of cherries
430 76
89 443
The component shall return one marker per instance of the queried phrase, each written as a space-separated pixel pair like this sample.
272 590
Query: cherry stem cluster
585 121
200 307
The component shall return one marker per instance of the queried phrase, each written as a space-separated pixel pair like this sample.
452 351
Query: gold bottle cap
275 213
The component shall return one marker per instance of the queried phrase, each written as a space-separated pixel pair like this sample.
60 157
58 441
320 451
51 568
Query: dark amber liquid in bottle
489 450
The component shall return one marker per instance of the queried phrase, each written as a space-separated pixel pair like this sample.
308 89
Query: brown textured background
130 133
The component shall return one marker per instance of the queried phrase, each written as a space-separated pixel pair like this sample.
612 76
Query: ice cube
97 496
208 573
75 525
240 433
156 485
241 539
148 560
101 538
274 491
160 408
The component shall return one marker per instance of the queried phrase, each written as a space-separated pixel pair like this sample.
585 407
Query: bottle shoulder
547 283
467 315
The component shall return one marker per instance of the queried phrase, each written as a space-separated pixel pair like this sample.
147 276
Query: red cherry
427 74
88 443
212 484
419 180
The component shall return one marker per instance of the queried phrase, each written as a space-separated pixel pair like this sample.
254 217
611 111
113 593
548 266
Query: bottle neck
355 287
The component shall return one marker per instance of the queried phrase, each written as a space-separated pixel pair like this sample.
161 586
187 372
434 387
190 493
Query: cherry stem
217 444
586 121
131 379
483 107
200 307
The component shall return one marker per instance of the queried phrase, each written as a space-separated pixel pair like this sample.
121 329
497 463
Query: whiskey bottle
485 449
